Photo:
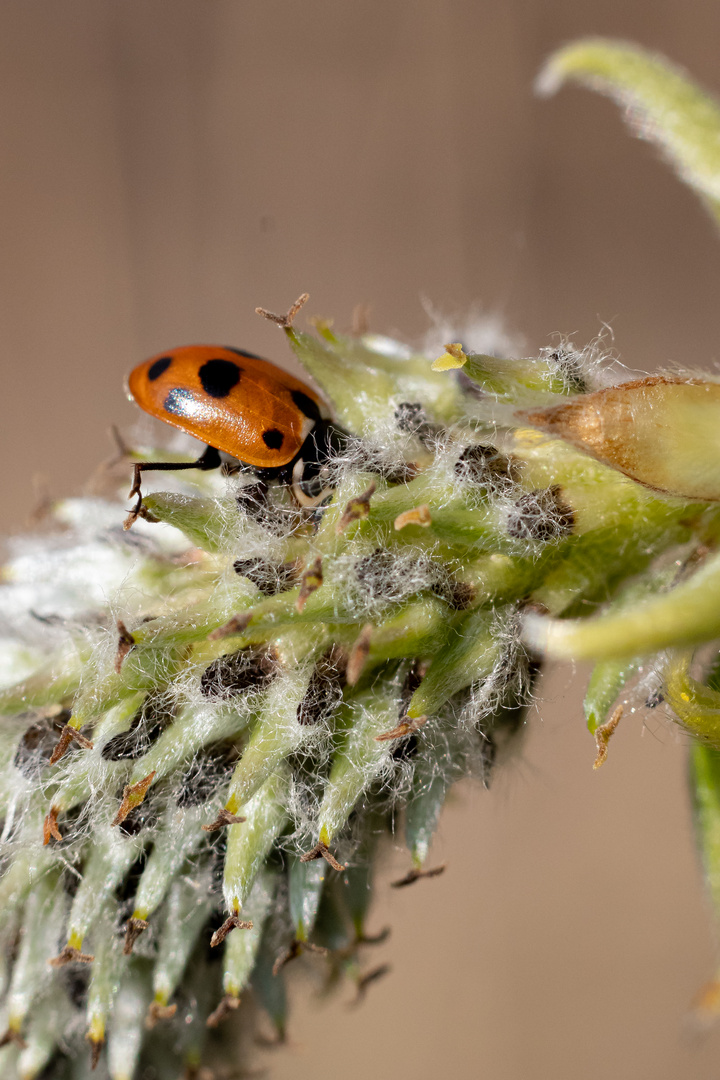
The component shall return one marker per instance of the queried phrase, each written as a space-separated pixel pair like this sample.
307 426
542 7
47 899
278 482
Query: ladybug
237 403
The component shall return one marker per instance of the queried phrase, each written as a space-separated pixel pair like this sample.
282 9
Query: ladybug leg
209 459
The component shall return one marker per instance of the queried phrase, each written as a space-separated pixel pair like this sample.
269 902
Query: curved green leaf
661 104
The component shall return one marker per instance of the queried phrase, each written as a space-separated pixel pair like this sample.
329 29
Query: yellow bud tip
453 357
96 1030
75 940
325 836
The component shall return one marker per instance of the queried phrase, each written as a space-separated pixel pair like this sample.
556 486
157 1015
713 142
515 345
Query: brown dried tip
224 818
373 939
415 875
133 930
603 735
67 735
285 321
133 795
322 851
122 450
358 655
297 948
360 324
456 350
653 430
228 1005
312 579
14 1037
157 1012
234 922
420 515
365 981
125 644
96 1049
69 955
140 511
357 509
405 727
236 625
50 826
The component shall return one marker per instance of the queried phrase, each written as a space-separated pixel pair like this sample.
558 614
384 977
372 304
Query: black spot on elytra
306 404
273 438
218 377
179 402
156 369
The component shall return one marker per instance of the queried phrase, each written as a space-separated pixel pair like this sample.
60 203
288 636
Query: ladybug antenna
284 321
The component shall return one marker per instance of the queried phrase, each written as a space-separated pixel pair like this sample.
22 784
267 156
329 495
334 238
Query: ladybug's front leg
209 459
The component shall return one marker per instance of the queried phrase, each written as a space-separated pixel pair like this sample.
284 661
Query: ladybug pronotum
237 403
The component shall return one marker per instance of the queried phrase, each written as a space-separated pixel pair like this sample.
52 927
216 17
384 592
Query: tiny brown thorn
96 1049
69 955
14 1037
67 735
365 981
122 449
358 655
224 818
357 509
360 320
228 1005
140 511
50 826
603 734
284 321
415 875
125 643
322 851
237 625
297 948
405 727
133 930
133 795
291 953
157 1012
373 939
419 515
234 922
312 579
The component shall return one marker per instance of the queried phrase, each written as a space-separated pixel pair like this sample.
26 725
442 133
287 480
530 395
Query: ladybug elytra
237 403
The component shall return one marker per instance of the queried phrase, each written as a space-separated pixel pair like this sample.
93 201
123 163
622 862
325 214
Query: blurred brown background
167 166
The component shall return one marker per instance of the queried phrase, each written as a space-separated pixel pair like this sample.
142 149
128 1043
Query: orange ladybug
238 403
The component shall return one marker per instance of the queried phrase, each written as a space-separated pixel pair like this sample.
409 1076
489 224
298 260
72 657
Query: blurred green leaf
661 104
